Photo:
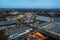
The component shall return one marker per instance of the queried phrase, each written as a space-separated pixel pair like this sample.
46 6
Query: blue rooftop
4 23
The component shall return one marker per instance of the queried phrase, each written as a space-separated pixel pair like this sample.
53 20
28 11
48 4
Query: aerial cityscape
29 20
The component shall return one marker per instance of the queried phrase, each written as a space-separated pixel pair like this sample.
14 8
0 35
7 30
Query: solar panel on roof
4 23
18 32
43 18
57 19
44 25
55 29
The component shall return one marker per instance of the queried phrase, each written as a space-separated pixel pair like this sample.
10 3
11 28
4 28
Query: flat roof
5 23
44 25
55 30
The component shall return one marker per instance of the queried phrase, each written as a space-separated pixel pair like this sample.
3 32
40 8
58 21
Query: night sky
29 3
